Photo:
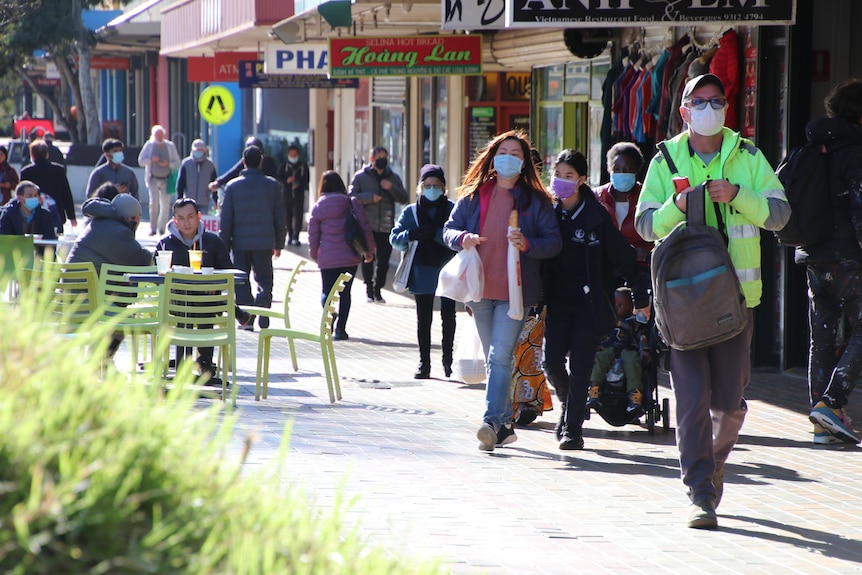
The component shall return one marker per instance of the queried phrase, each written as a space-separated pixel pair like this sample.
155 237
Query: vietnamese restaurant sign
617 13
405 56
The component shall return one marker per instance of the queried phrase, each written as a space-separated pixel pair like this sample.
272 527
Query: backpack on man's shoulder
698 298
804 173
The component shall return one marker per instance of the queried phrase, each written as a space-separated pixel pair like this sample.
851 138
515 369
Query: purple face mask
564 188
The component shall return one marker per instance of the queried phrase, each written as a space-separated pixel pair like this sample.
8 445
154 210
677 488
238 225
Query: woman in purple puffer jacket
329 248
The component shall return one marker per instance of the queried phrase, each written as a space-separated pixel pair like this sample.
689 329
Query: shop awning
138 28
368 18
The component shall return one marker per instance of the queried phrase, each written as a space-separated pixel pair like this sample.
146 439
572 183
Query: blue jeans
499 335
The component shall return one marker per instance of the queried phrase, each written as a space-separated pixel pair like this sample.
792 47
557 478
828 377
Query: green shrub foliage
100 475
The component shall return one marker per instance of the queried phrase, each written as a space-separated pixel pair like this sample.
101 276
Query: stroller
613 398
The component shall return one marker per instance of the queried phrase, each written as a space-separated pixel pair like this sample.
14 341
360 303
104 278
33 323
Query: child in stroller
621 358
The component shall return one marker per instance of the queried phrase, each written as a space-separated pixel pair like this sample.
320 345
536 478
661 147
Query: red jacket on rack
725 65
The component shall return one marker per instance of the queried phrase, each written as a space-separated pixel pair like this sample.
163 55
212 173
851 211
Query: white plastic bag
469 359
513 269
463 278
402 272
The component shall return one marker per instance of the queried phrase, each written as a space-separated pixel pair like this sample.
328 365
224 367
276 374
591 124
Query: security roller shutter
389 91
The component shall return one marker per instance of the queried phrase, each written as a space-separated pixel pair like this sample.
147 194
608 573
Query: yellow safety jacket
742 164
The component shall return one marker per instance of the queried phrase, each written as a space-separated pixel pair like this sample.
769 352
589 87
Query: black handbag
353 233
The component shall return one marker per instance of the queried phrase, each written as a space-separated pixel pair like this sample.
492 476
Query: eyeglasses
700 103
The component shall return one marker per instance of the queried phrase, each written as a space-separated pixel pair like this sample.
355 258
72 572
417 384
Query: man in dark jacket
52 181
186 231
252 226
293 175
113 171
379 189
54 153
268 166
110 237
834 269
25 214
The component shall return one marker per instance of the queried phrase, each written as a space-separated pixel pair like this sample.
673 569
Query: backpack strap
696 211
671 166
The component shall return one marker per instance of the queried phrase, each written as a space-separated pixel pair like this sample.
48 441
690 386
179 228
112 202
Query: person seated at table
110 239
107 191
186 232
24 214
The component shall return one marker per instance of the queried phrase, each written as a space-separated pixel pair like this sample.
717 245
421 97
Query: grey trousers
708 384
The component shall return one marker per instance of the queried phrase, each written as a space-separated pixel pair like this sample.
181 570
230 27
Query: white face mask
707 122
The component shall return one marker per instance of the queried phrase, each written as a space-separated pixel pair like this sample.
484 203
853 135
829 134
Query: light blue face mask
31 203
507 165
117 157
198 154
432 194
622 182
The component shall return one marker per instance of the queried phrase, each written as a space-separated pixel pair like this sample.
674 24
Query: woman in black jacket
579 286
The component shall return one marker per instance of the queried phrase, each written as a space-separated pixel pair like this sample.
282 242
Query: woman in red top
620 197
8 177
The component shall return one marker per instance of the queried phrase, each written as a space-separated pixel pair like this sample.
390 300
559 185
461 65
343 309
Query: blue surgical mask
432 194
622 182
31 203
117 157
564 189
507 165
198 154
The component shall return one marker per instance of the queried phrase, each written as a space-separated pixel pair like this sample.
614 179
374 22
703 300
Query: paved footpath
404 454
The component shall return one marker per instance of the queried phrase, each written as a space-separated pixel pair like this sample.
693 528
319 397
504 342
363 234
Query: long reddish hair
482 168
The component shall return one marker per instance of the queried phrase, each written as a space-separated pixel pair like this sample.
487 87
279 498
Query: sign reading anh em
305 58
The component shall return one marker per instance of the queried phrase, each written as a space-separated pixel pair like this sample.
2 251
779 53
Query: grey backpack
698 297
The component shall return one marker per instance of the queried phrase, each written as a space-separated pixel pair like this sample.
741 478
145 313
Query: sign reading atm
305 58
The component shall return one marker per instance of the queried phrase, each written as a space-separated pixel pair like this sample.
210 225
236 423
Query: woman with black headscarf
423 222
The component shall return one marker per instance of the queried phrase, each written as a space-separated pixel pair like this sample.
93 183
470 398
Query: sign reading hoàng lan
405 56
611 13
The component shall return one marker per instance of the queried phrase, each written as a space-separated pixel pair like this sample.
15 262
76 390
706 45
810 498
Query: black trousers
833 290
260 263
294 207
374 281
572 334
424 318
329 277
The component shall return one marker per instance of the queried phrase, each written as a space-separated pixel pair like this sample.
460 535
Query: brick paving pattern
403 454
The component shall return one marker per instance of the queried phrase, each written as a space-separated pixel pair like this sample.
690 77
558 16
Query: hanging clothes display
641 93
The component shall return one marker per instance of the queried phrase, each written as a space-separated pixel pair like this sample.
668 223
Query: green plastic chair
323 337
283 315
136 304
198 311
70 291
16 253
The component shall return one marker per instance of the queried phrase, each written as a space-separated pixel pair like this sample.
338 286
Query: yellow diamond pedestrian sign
216 105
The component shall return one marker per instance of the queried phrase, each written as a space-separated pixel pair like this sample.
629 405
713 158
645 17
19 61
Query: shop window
551 129
441 119
434 118
577 79
390 133
551 83
482 88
